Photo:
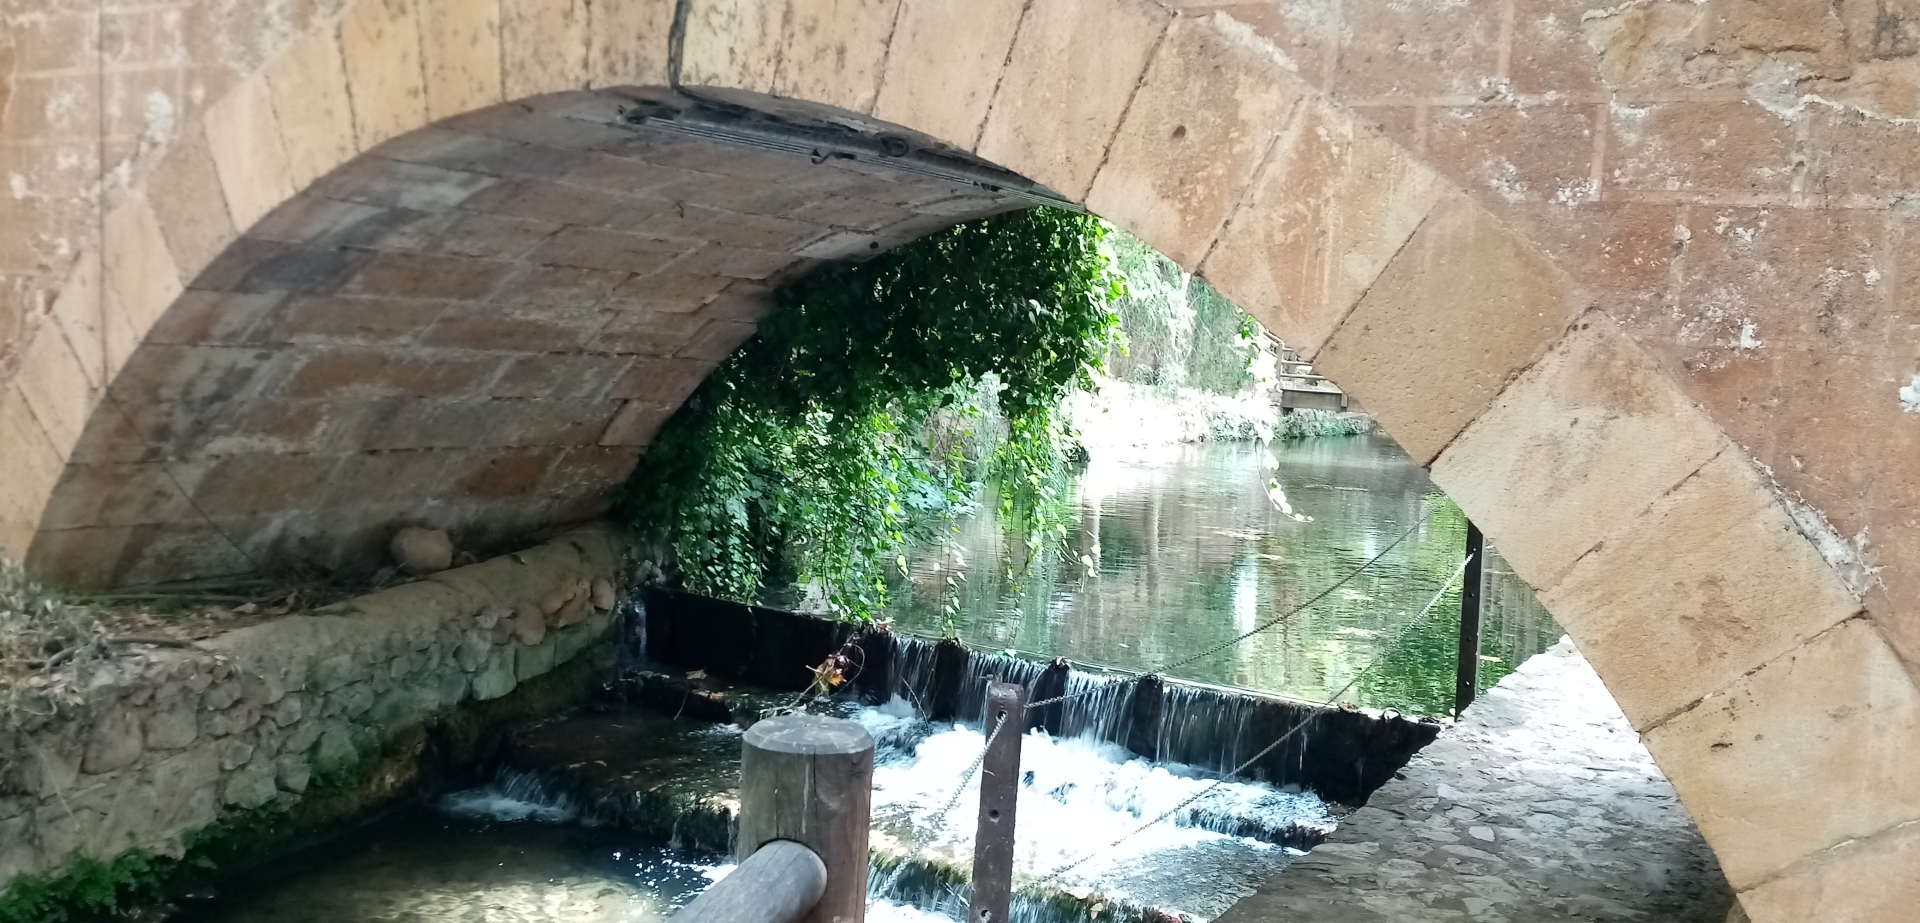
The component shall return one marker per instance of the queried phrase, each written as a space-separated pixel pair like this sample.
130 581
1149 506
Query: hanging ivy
804 457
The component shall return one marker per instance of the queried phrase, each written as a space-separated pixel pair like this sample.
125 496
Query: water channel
1183 549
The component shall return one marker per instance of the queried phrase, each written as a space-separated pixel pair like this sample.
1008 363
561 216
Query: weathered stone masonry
157 746
1636 279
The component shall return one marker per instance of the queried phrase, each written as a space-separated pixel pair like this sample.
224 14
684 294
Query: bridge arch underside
465 330
364 283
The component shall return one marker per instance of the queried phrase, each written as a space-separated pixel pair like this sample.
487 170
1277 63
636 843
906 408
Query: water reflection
1179 548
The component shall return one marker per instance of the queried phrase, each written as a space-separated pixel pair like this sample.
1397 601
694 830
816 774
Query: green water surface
1180 548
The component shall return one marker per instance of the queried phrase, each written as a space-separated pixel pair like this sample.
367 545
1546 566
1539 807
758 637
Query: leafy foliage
90 887
806 455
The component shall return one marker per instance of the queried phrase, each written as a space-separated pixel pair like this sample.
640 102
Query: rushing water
1180 548
525 848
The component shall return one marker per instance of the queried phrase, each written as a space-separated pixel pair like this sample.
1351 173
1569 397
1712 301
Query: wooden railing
806 793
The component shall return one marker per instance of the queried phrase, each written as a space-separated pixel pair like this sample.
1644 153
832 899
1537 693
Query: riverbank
117 780
1540 804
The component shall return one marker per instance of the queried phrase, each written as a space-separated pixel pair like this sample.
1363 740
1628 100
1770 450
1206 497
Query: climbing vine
807 456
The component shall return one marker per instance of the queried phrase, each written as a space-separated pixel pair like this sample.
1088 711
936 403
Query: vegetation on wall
1176 330
808 455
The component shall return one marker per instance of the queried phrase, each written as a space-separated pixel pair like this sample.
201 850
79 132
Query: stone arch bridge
1640 282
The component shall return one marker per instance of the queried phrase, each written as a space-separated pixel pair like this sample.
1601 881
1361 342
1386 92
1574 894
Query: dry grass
45 634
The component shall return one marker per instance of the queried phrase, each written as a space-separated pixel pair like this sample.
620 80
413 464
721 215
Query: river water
1181 547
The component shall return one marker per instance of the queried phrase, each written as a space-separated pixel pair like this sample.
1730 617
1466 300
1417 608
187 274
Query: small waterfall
517 795
1098 706
1202 727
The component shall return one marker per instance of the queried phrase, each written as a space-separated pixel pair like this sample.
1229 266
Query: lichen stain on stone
1910 396
1782 61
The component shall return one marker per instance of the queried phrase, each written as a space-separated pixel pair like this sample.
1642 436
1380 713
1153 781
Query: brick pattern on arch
478 325
1675 317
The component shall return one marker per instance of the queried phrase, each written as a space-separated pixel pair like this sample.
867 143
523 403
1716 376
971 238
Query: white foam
1082 797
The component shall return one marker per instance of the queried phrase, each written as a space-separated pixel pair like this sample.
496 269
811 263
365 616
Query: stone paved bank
161 744
1541 805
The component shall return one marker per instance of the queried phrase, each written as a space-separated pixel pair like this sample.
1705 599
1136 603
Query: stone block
599 249
661 381
56 388
499 328
1419 50
831 52
234 754
1703 586
1583 441
731 44
1869 881
302 737
1334 204
173 724
717 340
644 298
1202 120
1073 66
311 103
545 46
392 184
452 688
1699 150
1499 154
140 280
529 625
1807 752
251 786
335 749
330 673
534 659
187 198
498 677
292 774
943 65
1462 309
558 287
637 423
113 741
628 44
29 469
380 48
549 423
413 275
460 55
243 135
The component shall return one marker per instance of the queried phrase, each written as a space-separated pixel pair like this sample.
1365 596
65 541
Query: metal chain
1297 728
1296 610
940 819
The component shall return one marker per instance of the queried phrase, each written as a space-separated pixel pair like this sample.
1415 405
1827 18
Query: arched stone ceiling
478 326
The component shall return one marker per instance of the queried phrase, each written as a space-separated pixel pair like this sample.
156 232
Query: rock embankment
146 750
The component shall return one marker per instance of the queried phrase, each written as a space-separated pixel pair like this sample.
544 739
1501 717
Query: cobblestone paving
1540 805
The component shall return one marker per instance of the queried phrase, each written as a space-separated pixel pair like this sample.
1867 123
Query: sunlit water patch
422 866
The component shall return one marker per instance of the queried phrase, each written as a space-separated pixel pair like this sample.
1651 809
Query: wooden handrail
780 883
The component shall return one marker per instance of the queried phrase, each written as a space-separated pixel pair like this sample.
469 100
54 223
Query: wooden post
810 780
779 883
999 794
1466 676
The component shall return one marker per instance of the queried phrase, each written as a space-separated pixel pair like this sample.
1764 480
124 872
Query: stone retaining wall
143 752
